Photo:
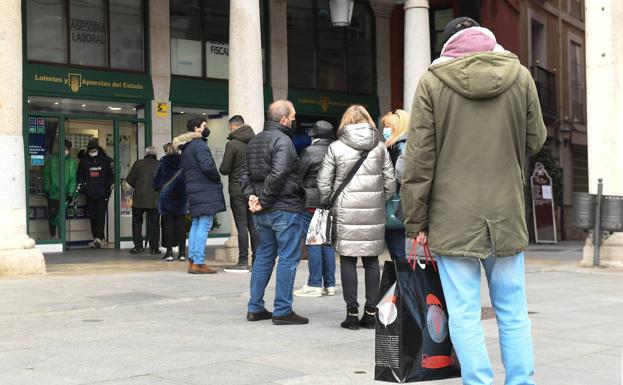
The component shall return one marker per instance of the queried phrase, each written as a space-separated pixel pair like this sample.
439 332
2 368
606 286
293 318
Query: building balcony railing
546 88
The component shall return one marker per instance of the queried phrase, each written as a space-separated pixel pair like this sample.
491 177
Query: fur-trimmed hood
180 141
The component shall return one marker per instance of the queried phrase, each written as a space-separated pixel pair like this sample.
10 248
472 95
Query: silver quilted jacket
359 227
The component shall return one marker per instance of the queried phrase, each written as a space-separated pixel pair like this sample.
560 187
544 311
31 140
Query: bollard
597 230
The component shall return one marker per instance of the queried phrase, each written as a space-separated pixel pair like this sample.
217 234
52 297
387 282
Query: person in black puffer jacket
96 174
321 259
272 186
204 190
172 206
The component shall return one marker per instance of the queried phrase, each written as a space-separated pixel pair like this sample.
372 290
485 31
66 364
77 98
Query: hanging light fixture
341 12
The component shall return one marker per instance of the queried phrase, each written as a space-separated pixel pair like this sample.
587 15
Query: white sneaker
97 243
328 290
308 291
92 244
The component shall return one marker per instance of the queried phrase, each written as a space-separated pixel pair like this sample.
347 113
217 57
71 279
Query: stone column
246 93
17 250
160 62
417 47
604 94
382 13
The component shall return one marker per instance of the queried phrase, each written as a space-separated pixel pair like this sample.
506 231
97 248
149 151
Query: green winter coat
473 121
235 156
52 176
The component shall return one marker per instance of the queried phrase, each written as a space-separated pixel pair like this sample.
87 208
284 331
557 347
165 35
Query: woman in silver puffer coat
359 211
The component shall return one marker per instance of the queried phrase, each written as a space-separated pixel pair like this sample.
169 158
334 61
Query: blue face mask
387 132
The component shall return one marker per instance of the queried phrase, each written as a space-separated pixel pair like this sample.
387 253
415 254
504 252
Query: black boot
154 248
368 320
352 319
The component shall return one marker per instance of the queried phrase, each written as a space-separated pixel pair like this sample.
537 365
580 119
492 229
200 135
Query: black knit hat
456 25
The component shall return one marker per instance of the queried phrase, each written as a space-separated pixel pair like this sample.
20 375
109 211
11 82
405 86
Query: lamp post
341 12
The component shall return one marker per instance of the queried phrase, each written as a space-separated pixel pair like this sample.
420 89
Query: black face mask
206 132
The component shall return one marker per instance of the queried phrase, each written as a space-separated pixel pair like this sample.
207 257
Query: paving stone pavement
133 324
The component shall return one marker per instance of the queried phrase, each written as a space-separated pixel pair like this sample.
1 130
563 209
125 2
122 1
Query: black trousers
244 224
348 271
174 232
97 215
153 227
53 207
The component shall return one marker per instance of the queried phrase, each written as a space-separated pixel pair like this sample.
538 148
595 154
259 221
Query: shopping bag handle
413 257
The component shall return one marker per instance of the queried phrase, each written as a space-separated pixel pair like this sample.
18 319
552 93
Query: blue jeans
197 238
395 240
280 235
460 278
320 259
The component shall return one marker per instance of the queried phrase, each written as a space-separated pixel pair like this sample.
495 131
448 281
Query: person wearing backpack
395 127
359 207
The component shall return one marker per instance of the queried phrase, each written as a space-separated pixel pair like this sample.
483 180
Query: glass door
47 183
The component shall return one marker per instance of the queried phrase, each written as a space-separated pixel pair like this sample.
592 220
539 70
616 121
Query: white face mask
66 152
93 154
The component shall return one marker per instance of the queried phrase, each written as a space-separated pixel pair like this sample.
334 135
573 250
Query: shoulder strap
177 173
348 178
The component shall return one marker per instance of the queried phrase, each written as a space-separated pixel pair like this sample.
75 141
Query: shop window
88 32
439 19
200 38
301 44
326 57
126 35
100 33
47 31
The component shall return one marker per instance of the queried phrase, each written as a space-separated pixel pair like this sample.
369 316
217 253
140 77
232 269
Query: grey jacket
359 227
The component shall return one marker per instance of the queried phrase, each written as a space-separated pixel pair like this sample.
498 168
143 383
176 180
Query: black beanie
93 144
456 25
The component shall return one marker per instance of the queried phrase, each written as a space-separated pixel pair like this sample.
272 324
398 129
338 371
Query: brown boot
201 269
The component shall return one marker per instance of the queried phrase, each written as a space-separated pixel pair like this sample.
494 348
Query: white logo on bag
388 312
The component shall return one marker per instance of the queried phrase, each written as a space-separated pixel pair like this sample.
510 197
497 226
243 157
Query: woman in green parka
51 184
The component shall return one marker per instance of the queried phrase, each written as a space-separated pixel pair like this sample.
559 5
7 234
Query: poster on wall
543 205
36 138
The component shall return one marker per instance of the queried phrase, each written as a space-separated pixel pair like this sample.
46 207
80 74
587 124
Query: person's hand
254 204
422 238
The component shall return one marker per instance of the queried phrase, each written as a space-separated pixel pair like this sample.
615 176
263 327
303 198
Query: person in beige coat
359 211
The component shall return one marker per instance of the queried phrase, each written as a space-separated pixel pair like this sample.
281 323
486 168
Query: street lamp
341 12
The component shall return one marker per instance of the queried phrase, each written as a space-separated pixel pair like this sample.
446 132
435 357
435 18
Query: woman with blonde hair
395 127
359 208
169 180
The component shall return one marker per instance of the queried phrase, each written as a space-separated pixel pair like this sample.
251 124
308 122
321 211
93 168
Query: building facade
132 72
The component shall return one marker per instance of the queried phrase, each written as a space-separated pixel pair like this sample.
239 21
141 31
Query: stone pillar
417 47
604 94
18 254
279 49
382 13
246 93
160 62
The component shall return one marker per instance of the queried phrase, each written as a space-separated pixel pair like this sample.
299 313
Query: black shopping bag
412 340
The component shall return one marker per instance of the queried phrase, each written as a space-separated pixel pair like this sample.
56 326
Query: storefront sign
87 31
36 139
162 109
72 81
320 103
543 205
217 60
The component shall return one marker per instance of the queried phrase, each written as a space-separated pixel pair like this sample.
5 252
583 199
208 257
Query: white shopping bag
319 232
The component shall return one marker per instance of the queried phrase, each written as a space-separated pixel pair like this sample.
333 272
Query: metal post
597 230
